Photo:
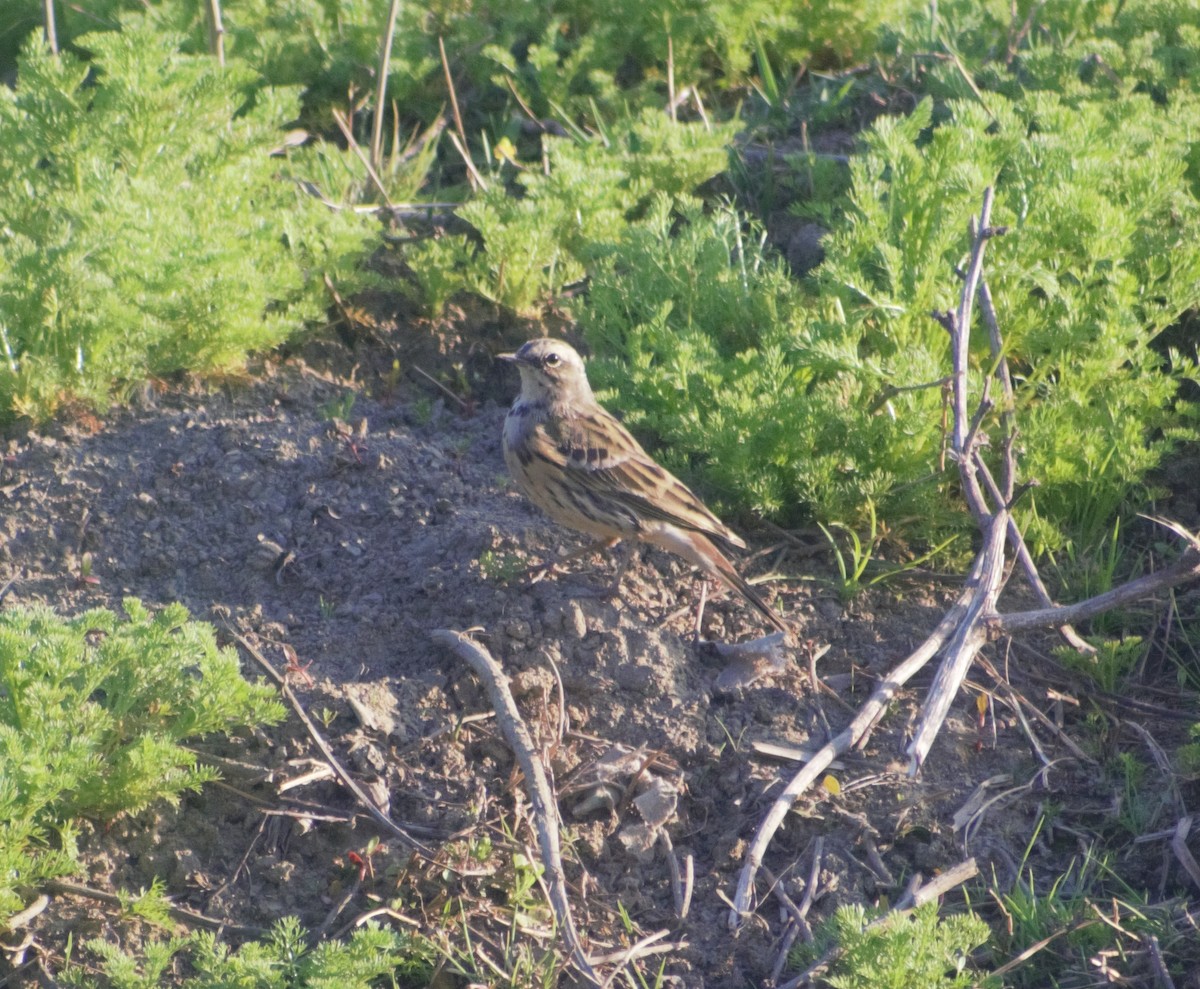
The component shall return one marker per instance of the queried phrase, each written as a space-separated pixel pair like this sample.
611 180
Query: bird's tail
700 550
735 580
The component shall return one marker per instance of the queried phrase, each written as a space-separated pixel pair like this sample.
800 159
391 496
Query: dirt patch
349 542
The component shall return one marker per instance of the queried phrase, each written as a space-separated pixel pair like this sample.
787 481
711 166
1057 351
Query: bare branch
340 771
1185 568
963 321
858 729
216 31
48 26
1181 850
973 619
969 636
537 783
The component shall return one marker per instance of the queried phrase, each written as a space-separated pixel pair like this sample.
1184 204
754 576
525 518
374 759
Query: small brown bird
584 469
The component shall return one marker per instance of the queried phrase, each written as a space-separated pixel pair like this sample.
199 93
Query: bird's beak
509 358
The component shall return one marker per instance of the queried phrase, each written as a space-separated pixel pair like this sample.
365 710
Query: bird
574 460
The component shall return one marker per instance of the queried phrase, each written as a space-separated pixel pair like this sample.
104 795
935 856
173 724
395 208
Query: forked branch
973 619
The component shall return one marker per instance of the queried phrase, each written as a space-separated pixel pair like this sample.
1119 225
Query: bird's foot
539 571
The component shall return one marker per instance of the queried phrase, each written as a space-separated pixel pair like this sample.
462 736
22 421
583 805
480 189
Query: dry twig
182 914
1182 852
343 123
343 775
48 26
216 31
541 796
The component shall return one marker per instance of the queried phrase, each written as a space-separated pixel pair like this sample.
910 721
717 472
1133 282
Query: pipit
579 465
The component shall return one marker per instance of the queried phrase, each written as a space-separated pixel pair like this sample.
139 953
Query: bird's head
551 370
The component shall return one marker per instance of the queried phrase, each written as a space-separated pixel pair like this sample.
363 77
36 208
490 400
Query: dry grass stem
49 26
461 143
385 62
343 123
1182 852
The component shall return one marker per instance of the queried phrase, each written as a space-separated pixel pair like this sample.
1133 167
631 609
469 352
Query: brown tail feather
735 580
700 550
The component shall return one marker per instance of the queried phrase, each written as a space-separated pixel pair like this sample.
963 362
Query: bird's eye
551 360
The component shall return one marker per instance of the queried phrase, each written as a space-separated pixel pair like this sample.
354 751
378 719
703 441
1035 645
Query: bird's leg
625 557
537 572
700 608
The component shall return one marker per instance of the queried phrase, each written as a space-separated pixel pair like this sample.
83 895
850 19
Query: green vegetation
94 711
284 959
826 404
545 237
1081 915
94 714
916 950
1109 666
139 240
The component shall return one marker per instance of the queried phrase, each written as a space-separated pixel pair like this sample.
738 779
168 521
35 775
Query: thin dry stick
26 916
814 876
1018 960
179 913
49 26
671 78
646 946
1017 541
968 638
1162 761
799 917
1017 700
689 884
216 31
681 888
962 318
385 65
344 777
344 126
458 124
1180 848
1187 566
1017 37
335 911
639 949
790 905
971 634
541 796
1161 972
460 145
987 310
781 956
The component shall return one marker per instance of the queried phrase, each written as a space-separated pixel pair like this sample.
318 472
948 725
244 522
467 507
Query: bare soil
349 541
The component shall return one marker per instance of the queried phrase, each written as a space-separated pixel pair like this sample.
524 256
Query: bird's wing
603 456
